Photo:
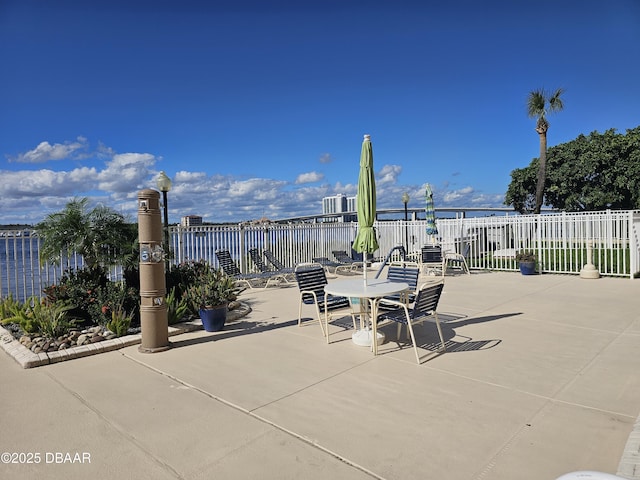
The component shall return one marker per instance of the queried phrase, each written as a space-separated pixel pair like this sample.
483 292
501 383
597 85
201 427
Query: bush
80 289
115 299
177 307
526 256
119 323
39 317
94 297
184 275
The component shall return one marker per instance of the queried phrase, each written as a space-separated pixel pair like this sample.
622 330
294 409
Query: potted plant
212 294
527 262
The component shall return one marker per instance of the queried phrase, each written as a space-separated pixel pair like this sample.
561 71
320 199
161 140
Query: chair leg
325 330
300 312
465 266
319 315
413 339
324 333
444 348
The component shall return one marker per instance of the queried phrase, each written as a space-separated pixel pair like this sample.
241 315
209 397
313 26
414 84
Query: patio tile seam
629 461
533 394
532 419
311 385
261 419
121 431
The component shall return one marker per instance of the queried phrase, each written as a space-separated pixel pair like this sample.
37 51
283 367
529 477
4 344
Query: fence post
538 223
634 245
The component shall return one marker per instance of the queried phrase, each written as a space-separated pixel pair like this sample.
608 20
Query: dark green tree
539 105
521 192
593 172
101 235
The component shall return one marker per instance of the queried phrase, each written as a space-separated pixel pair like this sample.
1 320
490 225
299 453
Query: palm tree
100 235
539 104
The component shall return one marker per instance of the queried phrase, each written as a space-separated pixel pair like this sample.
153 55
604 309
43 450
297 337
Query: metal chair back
227 263
256 258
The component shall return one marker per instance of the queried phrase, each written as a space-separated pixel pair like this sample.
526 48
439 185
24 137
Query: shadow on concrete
235 329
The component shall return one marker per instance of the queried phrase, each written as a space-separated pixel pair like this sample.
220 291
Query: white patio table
367 292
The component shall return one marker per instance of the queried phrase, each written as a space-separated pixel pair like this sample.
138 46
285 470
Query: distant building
338 204
191 221
351 204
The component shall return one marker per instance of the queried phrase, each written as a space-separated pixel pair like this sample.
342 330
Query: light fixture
405 200
164 185
164 182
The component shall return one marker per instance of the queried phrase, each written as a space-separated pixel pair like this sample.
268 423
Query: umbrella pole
364 268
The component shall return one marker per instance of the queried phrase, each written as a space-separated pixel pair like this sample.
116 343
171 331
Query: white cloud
388 174
126 172
26 183
45 152
26 196
187 177
256 189
309 177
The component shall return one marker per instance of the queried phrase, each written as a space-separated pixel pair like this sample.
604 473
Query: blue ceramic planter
213 319
528 268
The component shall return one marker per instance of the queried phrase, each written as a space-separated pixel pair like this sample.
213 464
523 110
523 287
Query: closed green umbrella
366 241
430 214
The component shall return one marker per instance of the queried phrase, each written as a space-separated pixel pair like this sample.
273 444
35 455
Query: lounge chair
277 264
423 309
311 280
262 267
231 269
328 265
344 258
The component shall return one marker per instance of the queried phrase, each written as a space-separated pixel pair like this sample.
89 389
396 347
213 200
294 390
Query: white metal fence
559 240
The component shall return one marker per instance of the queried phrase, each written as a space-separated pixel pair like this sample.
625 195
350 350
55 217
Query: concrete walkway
542 378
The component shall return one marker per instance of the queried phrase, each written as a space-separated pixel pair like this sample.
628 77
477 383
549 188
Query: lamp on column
164 185
405 200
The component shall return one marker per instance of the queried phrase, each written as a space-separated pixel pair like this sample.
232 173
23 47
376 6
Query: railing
559 240
22 275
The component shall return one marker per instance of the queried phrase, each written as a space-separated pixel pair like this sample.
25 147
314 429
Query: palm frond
555 102
535 103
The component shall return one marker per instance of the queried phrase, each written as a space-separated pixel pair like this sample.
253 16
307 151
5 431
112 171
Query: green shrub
7 306
40 317
79 288
115 299
177 307
212 288
94 297
182 276
119 323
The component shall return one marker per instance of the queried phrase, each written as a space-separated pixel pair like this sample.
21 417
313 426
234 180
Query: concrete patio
542 378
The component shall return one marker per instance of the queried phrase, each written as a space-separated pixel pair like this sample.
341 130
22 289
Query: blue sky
259 108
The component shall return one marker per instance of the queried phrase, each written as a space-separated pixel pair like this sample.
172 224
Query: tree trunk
542 170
